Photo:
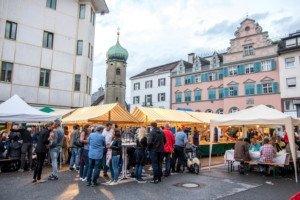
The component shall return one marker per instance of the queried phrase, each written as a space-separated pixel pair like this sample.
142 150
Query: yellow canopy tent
161 115
101 113
203 117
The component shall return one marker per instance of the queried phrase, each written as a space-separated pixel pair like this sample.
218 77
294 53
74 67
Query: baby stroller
193 162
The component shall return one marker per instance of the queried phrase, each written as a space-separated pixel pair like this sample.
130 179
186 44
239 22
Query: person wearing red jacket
168 148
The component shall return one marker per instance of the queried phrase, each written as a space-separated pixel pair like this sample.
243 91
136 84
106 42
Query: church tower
115 87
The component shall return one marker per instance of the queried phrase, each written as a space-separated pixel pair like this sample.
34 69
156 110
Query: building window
48 40
161 82
81 11
248 50
136 100
289 105
44 77
249 68
233 91
189 79
92 19
291 82
89 51
209 111
266 65
178 96
221 93
161 97
233 109
211 76
197 78
211 94
79 47
118 71
249 89
88 85
220 111
187 96
77 82
6 71
290 62
290 42
51 4
148 84
178 81
267 88
197 94
11 30
232 71
136 86
148 100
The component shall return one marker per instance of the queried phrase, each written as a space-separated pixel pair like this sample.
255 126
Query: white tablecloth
279 159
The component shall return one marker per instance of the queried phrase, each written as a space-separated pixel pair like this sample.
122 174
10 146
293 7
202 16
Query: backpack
77 142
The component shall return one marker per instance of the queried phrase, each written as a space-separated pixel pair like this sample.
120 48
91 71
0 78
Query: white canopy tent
258 115
17 110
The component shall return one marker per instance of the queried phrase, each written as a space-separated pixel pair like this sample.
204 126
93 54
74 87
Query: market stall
16 109
160 115
258 115
102 113
57 111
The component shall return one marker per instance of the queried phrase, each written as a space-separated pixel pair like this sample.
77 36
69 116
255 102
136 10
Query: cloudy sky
156 32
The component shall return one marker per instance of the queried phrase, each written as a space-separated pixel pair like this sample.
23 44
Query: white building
289 66
152 87
46 50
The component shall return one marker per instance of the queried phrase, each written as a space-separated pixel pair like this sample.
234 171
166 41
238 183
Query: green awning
47 109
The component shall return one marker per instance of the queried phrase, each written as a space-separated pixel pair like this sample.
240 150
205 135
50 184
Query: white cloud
156 32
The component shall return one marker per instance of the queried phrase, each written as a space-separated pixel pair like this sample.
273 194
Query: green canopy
47 109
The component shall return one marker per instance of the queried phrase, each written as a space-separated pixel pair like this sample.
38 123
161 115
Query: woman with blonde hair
140 153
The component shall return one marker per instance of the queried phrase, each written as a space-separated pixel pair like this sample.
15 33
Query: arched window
270 106
118 71
197 110
209 111
220 111
187 96
233 109
178 96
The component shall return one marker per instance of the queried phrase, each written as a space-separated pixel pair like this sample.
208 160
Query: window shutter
247 92
225 72
241 69
259 88
257 67
273 64
203 77
225 91
192 79
275 87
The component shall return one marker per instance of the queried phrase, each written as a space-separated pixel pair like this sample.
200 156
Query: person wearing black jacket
116 147
156 142
26 147
41 150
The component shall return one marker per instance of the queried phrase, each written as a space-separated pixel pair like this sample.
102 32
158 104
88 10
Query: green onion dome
117 52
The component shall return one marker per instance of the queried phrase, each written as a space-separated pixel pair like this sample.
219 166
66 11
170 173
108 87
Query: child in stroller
193 162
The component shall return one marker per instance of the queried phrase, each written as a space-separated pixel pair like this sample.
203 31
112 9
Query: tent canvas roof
16 109
203 116
163 115
260 114
101 113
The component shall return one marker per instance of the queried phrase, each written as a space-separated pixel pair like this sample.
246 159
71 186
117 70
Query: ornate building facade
245 76
115 87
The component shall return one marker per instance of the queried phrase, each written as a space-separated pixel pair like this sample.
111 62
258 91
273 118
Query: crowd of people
267 147
90 149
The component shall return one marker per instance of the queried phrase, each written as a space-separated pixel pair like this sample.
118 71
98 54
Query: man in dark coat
156 142
41 150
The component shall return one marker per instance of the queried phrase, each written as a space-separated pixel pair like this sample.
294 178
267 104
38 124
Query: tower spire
118 34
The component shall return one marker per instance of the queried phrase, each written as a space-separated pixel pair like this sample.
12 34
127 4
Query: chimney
191 57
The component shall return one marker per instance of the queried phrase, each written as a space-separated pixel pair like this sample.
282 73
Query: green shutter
225 92
259 88
203 77
275 87
240 69
247 92
192 79
273 64
257 67
225 72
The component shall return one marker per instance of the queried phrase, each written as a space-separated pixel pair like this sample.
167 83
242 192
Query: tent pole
109 116
210 144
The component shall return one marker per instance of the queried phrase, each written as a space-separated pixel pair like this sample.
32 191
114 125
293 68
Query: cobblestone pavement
214 184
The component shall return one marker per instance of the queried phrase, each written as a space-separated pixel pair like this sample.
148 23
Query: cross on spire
118 34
